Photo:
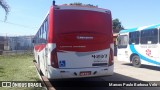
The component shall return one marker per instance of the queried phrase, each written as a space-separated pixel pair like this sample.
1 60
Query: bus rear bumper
79 72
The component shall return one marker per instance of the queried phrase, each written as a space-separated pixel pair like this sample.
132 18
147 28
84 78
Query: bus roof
140 28
79 7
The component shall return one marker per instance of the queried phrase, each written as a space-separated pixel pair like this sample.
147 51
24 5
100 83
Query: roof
80 7
140 28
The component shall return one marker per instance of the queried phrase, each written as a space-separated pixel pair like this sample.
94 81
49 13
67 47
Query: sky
26 16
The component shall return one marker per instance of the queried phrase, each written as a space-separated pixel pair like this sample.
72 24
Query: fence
15 52
16 44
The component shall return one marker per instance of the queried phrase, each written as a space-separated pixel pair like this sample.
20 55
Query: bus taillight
54 60
111 62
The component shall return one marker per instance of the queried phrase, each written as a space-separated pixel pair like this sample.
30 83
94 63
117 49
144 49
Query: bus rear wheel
136 61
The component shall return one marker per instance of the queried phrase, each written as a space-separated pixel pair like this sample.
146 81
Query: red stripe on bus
51 32
39 47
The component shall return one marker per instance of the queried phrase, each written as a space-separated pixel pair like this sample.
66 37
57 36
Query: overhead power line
20 25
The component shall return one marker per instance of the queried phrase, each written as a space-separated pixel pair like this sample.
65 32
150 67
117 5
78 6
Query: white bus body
140 45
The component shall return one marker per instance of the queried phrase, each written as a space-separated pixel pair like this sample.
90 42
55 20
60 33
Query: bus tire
136 61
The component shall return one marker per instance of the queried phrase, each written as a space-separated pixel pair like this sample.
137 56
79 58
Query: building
20 43
16 43
115 35
2 39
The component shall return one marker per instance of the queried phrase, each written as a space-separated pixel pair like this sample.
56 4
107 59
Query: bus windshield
70 21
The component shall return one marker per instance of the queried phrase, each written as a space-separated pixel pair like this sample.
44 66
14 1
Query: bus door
122 53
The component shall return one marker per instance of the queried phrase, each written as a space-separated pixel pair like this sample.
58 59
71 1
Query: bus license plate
85 73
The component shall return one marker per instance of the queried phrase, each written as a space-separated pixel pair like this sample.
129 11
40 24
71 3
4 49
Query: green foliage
76 3
116 25
81 4
5 6
18 68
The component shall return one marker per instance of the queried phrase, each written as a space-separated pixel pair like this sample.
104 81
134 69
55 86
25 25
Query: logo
62 63
21 84
6 84
84 37
148 52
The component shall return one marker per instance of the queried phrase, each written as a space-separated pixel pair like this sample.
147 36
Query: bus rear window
68 21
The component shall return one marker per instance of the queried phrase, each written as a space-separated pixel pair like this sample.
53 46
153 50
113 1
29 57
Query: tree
116 25
5 6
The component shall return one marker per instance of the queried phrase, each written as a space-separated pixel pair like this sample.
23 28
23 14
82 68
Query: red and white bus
74 42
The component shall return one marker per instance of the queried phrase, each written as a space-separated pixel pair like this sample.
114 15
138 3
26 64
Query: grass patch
18 68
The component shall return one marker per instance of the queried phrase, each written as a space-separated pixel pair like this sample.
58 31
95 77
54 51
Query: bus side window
45 31
122 41
149 36
134 37
159 36
154 36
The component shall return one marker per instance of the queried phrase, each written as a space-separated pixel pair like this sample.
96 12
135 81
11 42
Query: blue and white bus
140 45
